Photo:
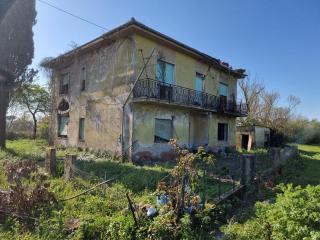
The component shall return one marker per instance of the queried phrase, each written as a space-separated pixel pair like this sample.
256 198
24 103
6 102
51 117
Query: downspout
126 101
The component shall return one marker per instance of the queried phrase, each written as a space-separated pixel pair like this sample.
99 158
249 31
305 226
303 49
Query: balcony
153 90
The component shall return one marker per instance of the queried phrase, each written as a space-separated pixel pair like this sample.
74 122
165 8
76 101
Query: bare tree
252 91
16 48
263 106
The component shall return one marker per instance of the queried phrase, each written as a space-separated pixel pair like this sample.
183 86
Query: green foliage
103 213
305 131
295 215
43 128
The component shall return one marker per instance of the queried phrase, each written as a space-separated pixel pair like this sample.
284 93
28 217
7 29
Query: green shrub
295 215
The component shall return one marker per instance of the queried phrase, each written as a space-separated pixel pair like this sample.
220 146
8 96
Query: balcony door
165 72
165 76
223 95
199 87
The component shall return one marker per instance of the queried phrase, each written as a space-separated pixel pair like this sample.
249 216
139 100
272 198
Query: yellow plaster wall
186 67
144 122
213 128
110 73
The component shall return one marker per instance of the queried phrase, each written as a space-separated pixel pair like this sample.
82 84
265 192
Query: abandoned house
133 89
252 137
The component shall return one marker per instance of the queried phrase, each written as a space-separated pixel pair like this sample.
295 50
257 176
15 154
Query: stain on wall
111 71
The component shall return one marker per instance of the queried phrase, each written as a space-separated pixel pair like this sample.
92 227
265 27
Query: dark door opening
245 141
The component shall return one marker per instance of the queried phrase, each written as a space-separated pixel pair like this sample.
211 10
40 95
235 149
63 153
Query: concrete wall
259 138
190 128
110 73
186 67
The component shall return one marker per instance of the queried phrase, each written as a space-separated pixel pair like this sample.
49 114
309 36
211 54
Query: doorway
245 141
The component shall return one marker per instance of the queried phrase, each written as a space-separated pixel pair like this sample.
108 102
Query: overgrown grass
311 158
135 178
104 210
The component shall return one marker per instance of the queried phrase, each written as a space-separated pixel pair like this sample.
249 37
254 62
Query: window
165 72
81 129
83 77
223 89
163 130
64 83
199 87
63 122
222 132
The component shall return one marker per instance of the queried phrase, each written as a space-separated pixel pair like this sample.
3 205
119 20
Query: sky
276 41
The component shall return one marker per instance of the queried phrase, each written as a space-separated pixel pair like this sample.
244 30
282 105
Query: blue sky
277 41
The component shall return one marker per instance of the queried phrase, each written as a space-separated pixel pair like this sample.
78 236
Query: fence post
275 158
69 162
246 169
50 161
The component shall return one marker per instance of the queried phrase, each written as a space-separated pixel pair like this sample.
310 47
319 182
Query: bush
295 215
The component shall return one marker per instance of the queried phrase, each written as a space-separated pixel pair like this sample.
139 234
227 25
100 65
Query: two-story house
133 89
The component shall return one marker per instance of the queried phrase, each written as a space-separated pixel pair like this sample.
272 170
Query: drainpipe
127 99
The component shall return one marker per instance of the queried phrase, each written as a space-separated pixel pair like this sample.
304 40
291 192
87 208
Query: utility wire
73 15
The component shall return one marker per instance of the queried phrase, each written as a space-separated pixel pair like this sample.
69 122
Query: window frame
225 132
59 125
82 123
157 139
162 78
226 85
83 79
203 79
63 91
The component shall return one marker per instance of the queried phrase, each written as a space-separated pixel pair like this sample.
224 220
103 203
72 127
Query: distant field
311 157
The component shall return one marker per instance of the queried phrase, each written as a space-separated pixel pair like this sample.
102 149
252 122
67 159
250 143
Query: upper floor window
64 83
83 78
163 131
165 72
199 86
223 89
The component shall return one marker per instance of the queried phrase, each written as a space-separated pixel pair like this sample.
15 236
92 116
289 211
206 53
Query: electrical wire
73 15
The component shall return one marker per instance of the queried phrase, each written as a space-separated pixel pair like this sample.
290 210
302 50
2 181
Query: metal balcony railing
170 93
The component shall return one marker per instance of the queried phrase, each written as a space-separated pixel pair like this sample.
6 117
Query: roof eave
135 25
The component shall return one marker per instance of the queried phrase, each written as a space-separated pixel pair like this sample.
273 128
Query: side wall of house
110 73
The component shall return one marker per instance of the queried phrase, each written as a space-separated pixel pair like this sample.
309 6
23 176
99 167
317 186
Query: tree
252 91
263 108
17 49
35 99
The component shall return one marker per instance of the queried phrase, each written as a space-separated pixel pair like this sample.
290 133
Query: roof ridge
223 65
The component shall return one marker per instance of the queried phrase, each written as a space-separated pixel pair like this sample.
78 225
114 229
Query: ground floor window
63 122
163 130
222 132
81 129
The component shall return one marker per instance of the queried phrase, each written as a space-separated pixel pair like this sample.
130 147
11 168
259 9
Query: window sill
63 137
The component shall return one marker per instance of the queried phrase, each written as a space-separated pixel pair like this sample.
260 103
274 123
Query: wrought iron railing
158 90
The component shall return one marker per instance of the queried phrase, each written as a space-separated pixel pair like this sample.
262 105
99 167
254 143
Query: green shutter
81 129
